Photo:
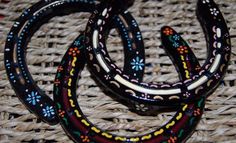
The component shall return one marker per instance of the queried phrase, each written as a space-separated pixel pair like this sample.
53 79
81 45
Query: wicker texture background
50 42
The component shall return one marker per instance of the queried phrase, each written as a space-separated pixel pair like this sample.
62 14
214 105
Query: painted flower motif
182 50
197 112
205 1
60 68
85 139
137 64
74 51
107 77
168 31
89 48
175 44
186 94
172 140
61 113
33 98
141 107
77 43
176 37
48 111
217 76
214 11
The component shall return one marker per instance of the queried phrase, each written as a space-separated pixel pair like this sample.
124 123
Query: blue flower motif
176 44
176 37
48 111
77 43
137 64
33 98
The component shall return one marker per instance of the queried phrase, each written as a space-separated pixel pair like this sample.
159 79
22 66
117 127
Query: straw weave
50 42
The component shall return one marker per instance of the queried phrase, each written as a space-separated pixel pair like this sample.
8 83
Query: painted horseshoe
204 82
77 126
25 26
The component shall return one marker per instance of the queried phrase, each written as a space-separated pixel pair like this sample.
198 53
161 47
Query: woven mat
50 42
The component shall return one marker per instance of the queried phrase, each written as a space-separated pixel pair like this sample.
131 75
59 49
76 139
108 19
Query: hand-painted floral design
214 11
89 48
197 112
60 68
217 76
141 107
168 31
186 94
183 50
48 111
176 37
137 64
74 51
172 140
175 44
33 98
61 113
107 77
85 139
77 43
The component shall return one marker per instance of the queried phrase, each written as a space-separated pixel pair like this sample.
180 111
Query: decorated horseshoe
20 78
205 82
77 126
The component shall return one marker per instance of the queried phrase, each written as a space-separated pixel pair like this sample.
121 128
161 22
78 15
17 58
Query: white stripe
104 12
99 22
95 39
144 90
197 83
102 63
218 32
219 45
215 65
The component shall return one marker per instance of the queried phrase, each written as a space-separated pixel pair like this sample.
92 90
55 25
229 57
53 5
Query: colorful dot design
184 58
203 80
